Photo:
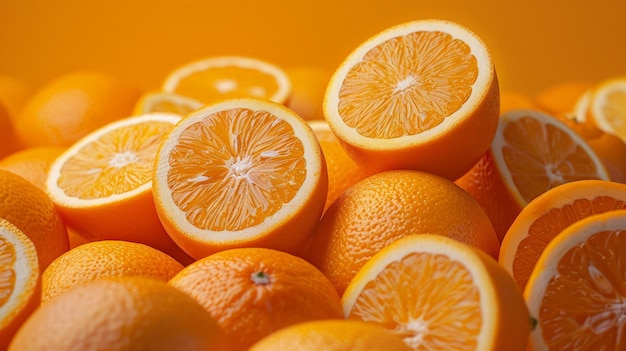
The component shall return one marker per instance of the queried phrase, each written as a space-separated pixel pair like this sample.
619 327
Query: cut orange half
240 172
550 213
421 95
439 294
19 280
102 185
226 77
607 106
576 291
165 102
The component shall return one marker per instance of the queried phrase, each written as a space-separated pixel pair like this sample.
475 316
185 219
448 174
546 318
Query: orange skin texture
387 206
248 311
32 211
32 163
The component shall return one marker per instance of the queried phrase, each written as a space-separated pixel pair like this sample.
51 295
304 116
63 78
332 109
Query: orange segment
438 293
416 96
576 291
227 77
165 102
240 172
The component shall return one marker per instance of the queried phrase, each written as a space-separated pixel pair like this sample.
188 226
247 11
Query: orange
102 185
19 282
561 97
165 102
531 153
439 294
331 335
389 205
576 291
32 163
225 77
550 213
612 152
9 142
240 172
122 314
32 211
513 100
72 105
607 106
14 94
308 85
252 292
420 95
103 259
343 172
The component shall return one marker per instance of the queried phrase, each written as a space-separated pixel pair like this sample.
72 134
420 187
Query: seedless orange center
7 272
252 173
407 85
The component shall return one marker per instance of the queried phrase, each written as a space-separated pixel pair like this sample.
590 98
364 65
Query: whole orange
9 142
32 163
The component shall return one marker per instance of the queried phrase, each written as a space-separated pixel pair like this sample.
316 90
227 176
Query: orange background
535 43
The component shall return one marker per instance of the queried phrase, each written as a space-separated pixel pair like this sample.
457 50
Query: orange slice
19 280
102 184
547 215
576 291
165 102
416 96
240 172
439 294
531 153
227 77
608 106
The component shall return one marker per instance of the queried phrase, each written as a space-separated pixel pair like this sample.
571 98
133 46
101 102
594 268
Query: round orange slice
165 102
607 106
226 77
416 96
240 172
439 294
576 291
19 280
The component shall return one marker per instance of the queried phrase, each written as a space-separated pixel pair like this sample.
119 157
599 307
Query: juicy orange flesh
233 169
546 227
584 304
615 111
118 162
429 300
7 273
227 82
407 85
541 156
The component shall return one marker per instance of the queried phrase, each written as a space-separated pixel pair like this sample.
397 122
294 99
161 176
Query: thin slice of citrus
240 172
531 153
225 77
548 214
439 294
165 102
19 280
102 184
416 96
607 107
576 291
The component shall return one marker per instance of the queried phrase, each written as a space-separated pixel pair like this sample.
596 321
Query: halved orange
240 172
439 294
550 213
576 291
157 101
225 77
19 280
102 185
421 95
607 107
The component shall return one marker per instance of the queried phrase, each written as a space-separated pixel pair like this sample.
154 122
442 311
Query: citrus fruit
122 314
102 185
165 102
607 106
31 210
225 77
9 142
546 216
103 259
561 97
531 153
19 282
32 163
416 96
576 291
252 292
513 100
439 294
389 205
331 335
14 94
308 85
240 172
72 105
